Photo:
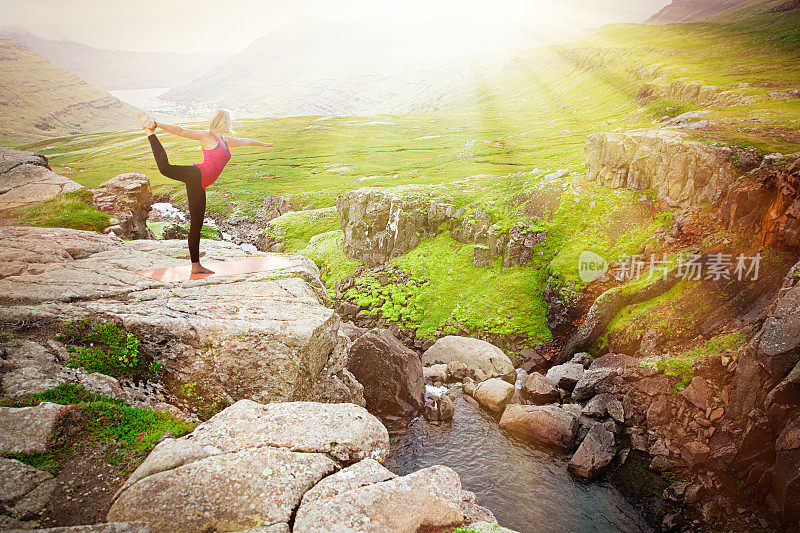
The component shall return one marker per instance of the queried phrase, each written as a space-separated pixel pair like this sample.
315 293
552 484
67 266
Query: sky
230 25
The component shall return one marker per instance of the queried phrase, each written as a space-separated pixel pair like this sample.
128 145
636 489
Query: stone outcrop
390 373
126 197
767 203
482 359
316 466
26 178
244 228
494 394
24 490
28 429
265 336
683 172
272 236
379 225
594 454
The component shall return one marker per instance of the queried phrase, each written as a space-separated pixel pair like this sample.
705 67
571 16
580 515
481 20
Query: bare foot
197 268
148 125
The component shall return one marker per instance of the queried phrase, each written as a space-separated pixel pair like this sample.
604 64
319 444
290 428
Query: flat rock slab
27 429
227 268
115 527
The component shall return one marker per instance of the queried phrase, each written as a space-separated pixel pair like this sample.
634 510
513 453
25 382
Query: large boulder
565 376
266 336
26 178
494 394
28 429
248 466
683 172
390 373
126 197
24 490
594 454
484 360
429 498
549 425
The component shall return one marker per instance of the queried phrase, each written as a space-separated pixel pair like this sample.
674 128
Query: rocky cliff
692 10
266 336
26 178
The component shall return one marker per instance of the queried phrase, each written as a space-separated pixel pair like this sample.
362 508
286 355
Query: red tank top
213 162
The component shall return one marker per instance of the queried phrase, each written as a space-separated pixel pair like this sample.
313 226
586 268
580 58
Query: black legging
190 175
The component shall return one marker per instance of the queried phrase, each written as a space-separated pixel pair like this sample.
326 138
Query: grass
102 420
104 347
295 229
71 210
325 249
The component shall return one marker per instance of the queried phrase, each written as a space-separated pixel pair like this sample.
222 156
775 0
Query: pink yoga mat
226 268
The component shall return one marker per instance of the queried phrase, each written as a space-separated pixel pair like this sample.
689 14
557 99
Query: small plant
205 405
104 348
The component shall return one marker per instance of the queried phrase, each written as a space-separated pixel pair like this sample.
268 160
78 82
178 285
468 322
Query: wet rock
565 376
457 371
594 454
430 497
548 424
390 373
480 357
539 390
494 394
445 408
435 374
128 198
28 429
26 178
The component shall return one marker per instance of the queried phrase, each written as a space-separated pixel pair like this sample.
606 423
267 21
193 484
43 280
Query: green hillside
497 150
39 100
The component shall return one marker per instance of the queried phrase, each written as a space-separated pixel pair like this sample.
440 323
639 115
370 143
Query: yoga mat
225 268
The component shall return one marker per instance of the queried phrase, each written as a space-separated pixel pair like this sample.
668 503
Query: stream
528 489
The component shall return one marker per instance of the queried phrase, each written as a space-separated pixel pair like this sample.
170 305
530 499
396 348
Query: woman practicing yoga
197 177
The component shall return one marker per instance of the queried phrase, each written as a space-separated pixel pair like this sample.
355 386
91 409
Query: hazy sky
197 25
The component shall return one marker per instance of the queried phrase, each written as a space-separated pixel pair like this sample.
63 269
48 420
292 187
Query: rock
597 406
476 354
29 368
548 425
128 198
786 478
457 371
676 491
427 498
445 407
586 386
26 178
683 172
582 358
116 527
697 393
266 336
565 376
695 453
28 429
435 373
616 410
595 453
175 231
361 474
390 373
24 490
659 412
488 527
539 390
494 394
207 478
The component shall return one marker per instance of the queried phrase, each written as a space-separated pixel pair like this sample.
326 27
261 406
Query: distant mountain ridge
39 99
121 69
693 10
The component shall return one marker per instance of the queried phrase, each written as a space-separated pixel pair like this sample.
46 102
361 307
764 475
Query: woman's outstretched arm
183 132
233 142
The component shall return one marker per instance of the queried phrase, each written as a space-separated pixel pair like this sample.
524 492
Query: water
527 489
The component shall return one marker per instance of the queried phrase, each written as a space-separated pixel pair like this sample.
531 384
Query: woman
197 177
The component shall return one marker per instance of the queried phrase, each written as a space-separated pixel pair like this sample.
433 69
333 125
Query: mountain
120 69
321 67
39 99
693 10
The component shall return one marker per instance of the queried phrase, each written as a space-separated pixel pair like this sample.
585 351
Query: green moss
46 461
295 229
70 210
326 251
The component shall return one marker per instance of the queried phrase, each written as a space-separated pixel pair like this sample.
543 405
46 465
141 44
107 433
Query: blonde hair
220 122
